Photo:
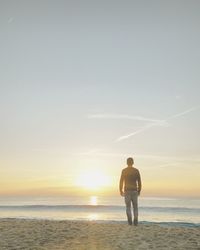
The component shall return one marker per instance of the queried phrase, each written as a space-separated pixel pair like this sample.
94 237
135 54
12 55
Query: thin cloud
125 116
157 124
90 152
166 160
170 164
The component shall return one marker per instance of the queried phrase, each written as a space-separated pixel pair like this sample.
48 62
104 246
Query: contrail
157 124
183 113
137 132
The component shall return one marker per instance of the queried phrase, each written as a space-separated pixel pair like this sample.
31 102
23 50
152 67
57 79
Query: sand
52 235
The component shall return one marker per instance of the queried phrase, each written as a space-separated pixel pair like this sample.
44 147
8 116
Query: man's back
131 178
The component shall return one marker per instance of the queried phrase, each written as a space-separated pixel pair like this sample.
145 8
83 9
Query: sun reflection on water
93 200
93 216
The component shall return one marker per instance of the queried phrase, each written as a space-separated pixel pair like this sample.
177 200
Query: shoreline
161 223
46 234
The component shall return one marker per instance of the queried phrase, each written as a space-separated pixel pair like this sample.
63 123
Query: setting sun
93 180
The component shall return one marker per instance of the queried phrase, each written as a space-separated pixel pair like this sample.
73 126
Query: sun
92 180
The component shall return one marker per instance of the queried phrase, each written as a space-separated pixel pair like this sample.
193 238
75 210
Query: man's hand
122 193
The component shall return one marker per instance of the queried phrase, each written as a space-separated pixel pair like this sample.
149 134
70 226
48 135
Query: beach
100 113
32 234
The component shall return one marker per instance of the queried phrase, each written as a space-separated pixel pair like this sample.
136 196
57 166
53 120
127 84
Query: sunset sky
86 84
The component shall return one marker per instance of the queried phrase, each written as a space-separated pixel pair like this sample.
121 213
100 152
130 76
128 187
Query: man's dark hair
130 161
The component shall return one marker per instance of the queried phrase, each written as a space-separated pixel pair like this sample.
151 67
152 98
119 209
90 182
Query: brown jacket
130 180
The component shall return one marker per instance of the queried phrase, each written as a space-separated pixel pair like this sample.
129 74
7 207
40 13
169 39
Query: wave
172 223
98 207
63 207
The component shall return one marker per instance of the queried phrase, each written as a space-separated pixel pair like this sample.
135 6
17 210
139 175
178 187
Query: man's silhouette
130 187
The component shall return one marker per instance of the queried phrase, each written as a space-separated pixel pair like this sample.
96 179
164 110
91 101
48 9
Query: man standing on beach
130 187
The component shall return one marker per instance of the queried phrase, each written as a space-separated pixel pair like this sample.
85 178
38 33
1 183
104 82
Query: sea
163 210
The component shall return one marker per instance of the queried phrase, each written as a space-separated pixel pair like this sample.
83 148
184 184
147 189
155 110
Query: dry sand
53 235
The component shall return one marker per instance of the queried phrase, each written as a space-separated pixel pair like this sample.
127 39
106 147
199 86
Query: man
130 187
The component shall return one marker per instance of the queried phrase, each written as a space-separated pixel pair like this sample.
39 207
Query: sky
86 84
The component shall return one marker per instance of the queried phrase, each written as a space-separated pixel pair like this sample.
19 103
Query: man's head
130 161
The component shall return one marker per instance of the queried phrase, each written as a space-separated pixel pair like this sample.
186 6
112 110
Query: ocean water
151 209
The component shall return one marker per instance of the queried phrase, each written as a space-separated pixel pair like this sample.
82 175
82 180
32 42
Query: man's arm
139 183
121 182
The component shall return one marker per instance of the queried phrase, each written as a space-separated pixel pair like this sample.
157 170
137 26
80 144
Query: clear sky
85 84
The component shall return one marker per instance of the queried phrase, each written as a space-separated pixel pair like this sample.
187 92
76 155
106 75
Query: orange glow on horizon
93 180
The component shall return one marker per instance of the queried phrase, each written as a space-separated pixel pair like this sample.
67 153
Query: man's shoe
130 222
135 222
